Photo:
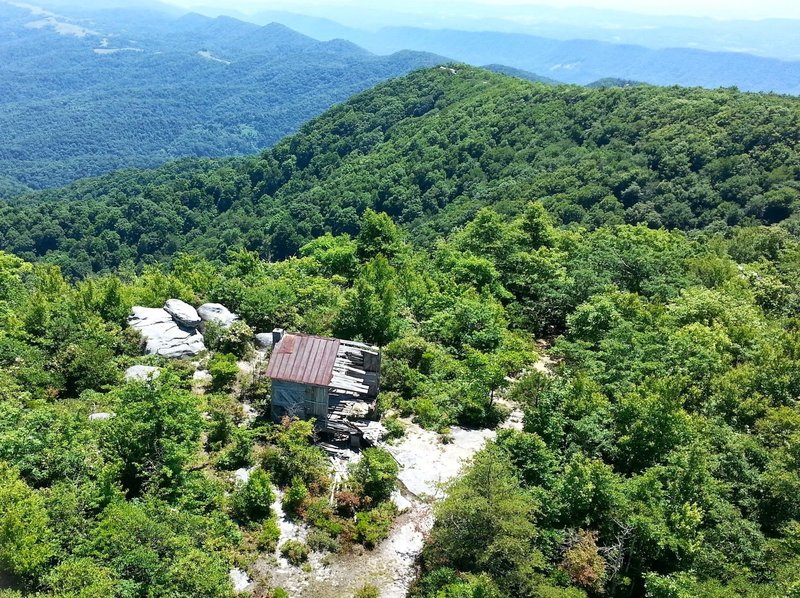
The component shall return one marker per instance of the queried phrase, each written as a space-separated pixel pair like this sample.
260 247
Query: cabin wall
317 400
303 401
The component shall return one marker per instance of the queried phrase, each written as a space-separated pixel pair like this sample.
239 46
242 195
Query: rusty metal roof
303 359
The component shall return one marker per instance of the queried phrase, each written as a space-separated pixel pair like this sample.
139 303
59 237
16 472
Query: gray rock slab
163 335
217 313
142 373
183 313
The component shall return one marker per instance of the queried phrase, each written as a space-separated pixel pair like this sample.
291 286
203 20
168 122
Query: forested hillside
88 94
660 458
430 149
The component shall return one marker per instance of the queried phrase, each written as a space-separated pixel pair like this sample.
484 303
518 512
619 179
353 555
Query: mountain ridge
216 87
430 149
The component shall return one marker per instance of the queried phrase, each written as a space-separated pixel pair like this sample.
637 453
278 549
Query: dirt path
425 465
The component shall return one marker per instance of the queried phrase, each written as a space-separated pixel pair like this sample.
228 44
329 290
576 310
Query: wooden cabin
334 381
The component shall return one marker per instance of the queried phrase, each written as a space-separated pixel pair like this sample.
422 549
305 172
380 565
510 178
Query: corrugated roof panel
304 359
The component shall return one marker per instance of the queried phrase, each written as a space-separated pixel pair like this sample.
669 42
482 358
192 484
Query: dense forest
647 236
430 149
660 458
119 89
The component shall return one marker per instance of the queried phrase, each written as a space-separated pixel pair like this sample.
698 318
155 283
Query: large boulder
142 373
217 313
164 335
101 416
264 340
183 313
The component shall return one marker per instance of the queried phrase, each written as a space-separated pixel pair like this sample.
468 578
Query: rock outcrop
264 340
165 334
142 373
102 416
183 313
217 313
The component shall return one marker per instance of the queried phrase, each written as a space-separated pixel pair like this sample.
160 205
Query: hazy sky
720 9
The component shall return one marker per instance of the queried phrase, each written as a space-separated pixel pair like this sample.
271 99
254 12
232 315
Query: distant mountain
582 45
519 73
774 38
613 82
585 61
98 90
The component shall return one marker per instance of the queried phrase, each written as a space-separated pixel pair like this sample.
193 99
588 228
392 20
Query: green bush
320 514
373 526
322 541
237 339
295 551
367 591
254 499
395 427
224 370
427 414
212 332
221 428
293 454
268 535
376 473
239 452
295 496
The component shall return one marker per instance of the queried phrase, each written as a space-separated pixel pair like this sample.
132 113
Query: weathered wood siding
291 399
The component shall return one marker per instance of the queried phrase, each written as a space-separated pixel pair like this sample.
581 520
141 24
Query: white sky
720 9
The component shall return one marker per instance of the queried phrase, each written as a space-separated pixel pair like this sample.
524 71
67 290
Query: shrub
268 535
347 502
294 455
295 496
373 526
319 513
367 591
295 551
426 413
445 434
220 429
238 452
386 401
254 499
212 333
322 541
395 427
224 370
236 339
376 472
258 393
